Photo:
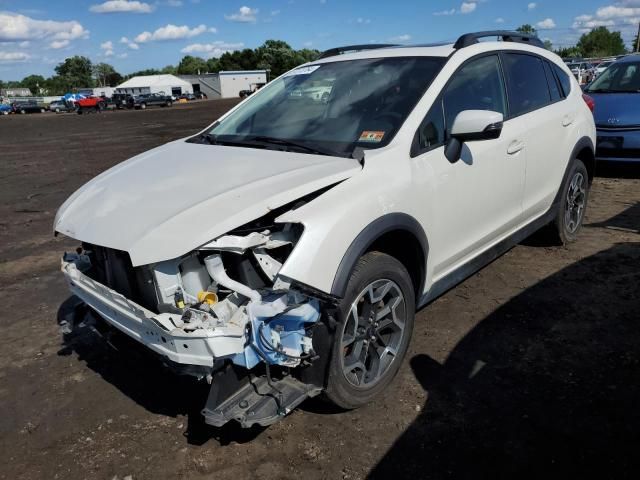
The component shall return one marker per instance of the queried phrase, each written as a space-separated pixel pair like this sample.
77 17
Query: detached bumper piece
253 400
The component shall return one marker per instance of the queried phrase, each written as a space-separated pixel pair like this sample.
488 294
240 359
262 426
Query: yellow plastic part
207 297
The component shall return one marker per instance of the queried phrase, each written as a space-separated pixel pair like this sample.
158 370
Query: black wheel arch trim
372 232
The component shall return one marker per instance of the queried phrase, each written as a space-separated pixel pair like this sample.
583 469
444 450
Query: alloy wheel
575 202
373 333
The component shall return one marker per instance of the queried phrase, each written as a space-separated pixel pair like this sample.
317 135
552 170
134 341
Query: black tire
344 388
143 106
573 203
169 103
23 112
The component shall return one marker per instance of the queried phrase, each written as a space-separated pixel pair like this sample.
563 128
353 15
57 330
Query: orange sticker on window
368 136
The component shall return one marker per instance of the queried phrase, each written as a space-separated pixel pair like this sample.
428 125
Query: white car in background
283 251
601 67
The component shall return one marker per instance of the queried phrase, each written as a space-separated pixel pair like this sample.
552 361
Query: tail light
591 103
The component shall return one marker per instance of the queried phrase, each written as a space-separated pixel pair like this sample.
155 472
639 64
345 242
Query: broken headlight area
223 304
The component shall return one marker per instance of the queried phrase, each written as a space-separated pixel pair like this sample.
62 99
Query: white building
231 83
167 84
226 84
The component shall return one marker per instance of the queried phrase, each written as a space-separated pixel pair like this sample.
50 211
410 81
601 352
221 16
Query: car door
536 100
478 199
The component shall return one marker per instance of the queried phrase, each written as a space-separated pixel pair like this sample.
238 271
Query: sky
36 35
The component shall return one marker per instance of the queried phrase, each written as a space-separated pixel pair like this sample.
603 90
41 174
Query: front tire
375 322
573 203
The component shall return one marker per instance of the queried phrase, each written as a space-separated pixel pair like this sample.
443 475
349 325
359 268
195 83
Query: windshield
619 77
333 107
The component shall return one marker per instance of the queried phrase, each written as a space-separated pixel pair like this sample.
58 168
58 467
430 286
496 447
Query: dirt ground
530 368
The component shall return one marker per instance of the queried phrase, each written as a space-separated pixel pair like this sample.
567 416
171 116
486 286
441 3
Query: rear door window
527 83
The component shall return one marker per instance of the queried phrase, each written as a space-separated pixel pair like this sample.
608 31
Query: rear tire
143 106
573 203
375 322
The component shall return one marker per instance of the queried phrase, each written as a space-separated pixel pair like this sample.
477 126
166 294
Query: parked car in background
28 107
283 251
616 93
253 88
188 97
90 105
601 67
121 100
60 106
200 95
149 100
5 109
583 71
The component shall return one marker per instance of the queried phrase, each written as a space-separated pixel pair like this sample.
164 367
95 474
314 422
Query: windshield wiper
303 146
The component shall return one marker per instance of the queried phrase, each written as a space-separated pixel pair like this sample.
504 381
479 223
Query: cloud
170 32
244 15
532 6
363 21
499 20
107 47
119 6
401 38
132 45
624 15
546 24
13 57
174 3
123 55
468 7
445 12
211 50
15 27
56 44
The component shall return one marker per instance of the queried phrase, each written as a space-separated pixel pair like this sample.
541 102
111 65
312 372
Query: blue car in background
616 93
5 109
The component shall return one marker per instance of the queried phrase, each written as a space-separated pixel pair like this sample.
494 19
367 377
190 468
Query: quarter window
565 81
528 89
553 84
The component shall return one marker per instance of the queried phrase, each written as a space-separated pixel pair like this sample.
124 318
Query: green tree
526 28
548 45
170 69
190 65
56 85
635 45
106 75
35 83
600 42
76 72
569 52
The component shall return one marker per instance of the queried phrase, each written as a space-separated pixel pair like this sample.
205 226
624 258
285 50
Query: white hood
170 200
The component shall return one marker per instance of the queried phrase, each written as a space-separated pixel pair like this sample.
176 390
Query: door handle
567 120
515 147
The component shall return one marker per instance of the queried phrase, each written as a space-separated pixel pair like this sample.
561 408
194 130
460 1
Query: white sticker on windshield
302 71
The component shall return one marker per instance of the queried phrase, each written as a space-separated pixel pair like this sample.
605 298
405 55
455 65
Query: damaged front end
224 313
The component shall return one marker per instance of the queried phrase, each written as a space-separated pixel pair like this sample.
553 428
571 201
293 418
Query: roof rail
506 35
353 48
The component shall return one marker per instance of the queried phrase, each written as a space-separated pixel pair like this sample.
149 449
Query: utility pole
638 39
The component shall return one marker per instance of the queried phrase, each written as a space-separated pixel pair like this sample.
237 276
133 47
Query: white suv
283 251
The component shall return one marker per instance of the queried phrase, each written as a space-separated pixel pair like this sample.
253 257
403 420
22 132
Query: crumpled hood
170 200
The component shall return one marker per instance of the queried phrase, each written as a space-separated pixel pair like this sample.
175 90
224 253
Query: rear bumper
155 331
618 145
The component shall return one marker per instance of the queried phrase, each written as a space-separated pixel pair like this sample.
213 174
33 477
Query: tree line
599 42
76 72
276 56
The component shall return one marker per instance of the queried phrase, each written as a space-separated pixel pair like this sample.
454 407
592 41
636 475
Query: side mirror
471 126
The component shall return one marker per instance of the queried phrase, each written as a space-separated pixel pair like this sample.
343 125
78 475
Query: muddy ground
530 368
